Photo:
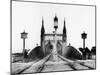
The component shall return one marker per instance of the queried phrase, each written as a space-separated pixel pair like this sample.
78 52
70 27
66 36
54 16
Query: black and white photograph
52 37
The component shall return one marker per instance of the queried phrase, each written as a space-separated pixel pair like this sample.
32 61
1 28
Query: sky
28 16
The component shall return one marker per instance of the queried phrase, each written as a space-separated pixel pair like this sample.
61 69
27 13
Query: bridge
47 64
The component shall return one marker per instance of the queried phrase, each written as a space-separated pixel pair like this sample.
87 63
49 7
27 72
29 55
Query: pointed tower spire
64 28
42 21
42 28
42 32
64 31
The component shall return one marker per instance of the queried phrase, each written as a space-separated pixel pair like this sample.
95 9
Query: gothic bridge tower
58 40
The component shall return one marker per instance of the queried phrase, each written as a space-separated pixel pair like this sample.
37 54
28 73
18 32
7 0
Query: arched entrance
48 48
59 47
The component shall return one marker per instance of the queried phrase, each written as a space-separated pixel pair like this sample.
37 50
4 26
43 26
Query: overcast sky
28 16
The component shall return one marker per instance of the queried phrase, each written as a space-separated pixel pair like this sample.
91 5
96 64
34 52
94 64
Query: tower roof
42 28
55 18
64 28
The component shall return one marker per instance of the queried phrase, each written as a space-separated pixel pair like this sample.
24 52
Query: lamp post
24 36
55 56
84 36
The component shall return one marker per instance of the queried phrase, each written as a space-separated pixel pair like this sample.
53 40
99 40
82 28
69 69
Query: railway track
63 64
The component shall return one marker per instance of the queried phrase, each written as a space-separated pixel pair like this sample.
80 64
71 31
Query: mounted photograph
52 37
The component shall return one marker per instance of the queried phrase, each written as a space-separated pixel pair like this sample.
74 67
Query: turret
55 22
42 32
64 32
